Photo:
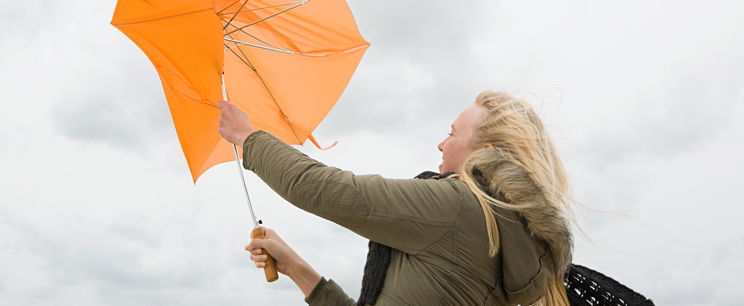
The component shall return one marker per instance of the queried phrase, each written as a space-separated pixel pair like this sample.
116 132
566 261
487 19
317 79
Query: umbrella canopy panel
285 64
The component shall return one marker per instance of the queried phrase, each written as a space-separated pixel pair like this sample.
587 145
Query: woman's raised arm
406 214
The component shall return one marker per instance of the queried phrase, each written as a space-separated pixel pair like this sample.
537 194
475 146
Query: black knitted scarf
378 259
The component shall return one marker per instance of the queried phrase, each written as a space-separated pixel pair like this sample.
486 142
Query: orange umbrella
284 63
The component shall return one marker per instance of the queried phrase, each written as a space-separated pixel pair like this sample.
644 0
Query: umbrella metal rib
299 3
227 7
235 15
262 47
252 36
240 58
258 8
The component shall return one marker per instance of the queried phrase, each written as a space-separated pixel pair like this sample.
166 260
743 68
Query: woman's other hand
287 261
234 123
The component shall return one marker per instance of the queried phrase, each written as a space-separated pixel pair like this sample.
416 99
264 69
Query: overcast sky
644 98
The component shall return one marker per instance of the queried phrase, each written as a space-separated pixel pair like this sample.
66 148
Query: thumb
255 244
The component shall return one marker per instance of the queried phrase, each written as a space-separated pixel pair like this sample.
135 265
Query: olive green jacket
435 227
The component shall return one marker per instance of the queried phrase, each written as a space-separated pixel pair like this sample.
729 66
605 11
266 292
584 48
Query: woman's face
460 143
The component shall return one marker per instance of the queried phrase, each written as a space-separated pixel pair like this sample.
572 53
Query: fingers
255 246
257 254
256 251
259 258
259 246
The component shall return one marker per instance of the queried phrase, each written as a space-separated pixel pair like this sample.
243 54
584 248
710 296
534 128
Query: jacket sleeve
328 293
405 214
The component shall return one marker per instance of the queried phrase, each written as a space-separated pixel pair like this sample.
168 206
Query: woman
490 231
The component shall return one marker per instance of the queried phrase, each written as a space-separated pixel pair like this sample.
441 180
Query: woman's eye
450 133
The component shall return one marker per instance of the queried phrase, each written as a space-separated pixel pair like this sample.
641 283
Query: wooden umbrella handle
270 268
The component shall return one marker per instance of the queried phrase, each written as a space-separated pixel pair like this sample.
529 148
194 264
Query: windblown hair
522 166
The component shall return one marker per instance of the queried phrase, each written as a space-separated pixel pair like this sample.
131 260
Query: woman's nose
441 145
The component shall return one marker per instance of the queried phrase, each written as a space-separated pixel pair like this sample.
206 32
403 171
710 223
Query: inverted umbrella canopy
285 64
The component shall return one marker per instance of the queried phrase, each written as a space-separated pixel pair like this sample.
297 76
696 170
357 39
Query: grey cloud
104 258
688 113
704 270
418 68
25 20
113 265
116 115
118 101
419 31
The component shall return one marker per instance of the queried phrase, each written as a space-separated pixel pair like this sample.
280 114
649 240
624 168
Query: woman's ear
486 146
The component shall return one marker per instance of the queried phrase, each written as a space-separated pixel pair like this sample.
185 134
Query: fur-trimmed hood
511 182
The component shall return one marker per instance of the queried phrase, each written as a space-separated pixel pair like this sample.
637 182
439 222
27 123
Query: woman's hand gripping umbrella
284 62
234 123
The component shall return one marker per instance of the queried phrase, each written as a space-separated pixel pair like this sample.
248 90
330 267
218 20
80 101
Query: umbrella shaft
240 167
242 179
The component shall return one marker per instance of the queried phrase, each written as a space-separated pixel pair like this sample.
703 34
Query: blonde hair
515 134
